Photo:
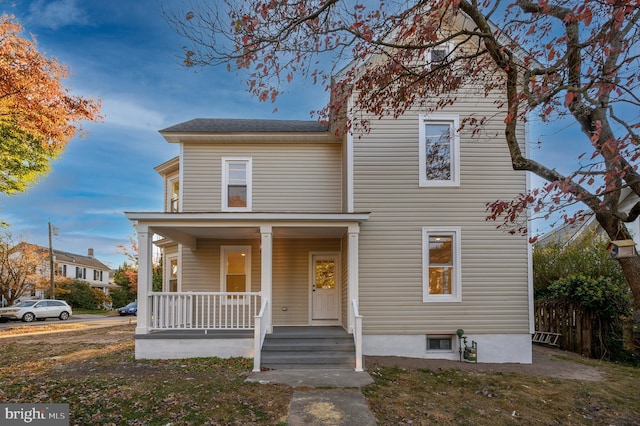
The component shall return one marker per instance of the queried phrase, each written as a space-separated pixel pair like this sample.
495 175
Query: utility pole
54 230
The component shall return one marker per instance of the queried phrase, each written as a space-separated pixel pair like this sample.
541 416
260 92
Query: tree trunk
631 269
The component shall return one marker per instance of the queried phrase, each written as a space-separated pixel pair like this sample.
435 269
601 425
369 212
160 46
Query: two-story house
278 226
82 267
66 265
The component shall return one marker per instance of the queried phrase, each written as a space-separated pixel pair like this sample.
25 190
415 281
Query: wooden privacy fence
574 325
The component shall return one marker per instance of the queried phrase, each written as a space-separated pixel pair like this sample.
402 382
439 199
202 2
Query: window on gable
236 184
439 151
441 265
438 54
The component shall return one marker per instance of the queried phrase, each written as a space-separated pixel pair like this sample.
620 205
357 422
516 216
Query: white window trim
456 290
454 122
167 282
170 181
223 265
225 183
447 46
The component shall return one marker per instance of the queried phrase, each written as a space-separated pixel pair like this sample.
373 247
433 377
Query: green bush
78 294
586 256
120 297
608 299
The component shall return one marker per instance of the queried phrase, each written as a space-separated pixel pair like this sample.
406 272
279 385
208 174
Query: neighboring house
67 265
271 223
83 267
568 232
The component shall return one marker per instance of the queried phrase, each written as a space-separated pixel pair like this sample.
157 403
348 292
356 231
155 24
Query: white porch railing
357 334
259 333
204 311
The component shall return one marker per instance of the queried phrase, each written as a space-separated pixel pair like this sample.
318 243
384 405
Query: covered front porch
231 277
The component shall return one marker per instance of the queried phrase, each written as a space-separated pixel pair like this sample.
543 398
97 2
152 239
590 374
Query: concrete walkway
323 397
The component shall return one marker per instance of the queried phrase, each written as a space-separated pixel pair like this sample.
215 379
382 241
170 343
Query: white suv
40 310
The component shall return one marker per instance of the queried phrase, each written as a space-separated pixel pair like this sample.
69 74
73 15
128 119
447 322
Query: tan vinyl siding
291 281
201 268
286 177
494 264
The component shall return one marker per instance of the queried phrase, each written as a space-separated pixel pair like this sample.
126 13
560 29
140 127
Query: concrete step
308 347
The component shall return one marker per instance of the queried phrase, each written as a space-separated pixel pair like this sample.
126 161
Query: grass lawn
95 372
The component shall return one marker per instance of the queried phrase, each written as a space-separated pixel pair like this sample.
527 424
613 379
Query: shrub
77 293
586 256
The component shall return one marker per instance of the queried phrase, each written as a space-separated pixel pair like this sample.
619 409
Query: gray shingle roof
244 125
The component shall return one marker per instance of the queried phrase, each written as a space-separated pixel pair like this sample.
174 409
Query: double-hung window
236 184
174 202
235 270
439 154
441 265
172 269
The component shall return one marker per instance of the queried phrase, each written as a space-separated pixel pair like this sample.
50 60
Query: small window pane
237 196
237 173
438 55
173 269
236 262
438 343
441 249
440 280
175 196
325 274
438 151
236 283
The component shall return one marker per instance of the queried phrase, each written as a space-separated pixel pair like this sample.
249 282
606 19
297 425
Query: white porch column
266 248
144 277
353 265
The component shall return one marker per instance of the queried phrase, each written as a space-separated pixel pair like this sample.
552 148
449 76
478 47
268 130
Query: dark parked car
40 310
130 309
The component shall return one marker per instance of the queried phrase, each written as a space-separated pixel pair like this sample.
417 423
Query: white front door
325 288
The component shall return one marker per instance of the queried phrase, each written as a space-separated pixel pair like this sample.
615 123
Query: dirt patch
104 336
547 361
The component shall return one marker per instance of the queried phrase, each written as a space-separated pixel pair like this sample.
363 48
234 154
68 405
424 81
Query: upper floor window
438 54
174 204
236 184
439 154
81 273
441 265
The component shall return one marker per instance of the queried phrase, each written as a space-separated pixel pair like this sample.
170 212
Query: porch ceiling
187 228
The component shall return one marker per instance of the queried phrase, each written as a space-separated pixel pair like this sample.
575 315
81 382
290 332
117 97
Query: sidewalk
323 397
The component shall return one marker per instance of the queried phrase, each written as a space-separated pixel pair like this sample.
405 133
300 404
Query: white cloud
57 14
125 113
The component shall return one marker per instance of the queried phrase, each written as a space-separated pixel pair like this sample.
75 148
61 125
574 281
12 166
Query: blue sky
123 52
